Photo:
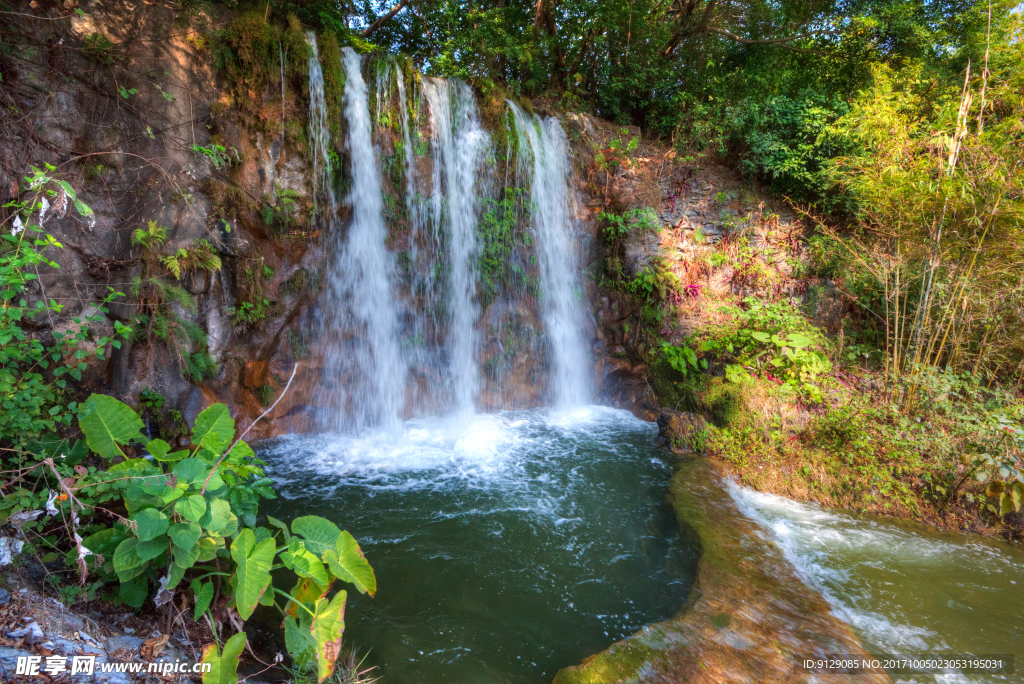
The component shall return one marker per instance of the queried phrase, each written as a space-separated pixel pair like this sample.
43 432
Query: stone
116 643
5 597
679 430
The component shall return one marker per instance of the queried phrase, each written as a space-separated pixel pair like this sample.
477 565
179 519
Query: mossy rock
721 401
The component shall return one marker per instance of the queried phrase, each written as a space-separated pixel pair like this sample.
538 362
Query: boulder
681 431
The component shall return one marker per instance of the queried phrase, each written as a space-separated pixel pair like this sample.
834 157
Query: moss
622 661
722 400
334 80
264 394
295 283
246 57
293 40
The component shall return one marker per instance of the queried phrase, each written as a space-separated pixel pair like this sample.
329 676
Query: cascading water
410 153
904 589
364 368
458 143
320 138
544 160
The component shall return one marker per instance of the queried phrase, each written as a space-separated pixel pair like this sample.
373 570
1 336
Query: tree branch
579 57
384 18
781 42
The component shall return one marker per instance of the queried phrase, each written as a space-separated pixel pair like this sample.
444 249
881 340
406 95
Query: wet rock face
748 618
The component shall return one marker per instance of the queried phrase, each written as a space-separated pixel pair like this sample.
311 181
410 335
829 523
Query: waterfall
364 373
458 142
280 53
544 159
410 153
320 140
405 342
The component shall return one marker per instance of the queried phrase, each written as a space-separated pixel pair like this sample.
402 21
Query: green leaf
215 420
204 595
241 452
319 533
224 665
253 570
300 643
127 563
82 208
1016 491
208 547
192 471
134 592
186 535
148 550
109 423
328 624
799 341
348 564
1005 504
151 522
761 337
158 448
174 575
186 557
303 563
217 515
191 507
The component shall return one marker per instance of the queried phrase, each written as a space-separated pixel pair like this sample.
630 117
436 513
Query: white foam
429 452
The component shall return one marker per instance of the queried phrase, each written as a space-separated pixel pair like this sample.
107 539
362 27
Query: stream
904 588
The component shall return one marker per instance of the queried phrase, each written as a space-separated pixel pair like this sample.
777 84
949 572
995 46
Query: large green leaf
159 449
150 549
253 570
328 624
191 507
217 515
109 423
305 591
224 665
299 642
320 534
215 420
127 563
175 573
208 547
186 558
348 564
192 471
186 535
151 523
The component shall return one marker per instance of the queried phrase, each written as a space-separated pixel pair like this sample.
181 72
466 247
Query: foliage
936 253
500 231
283 212
161 299
618 226
186 525
216 154
34 374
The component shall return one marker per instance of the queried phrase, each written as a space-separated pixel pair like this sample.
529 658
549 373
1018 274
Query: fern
151 237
